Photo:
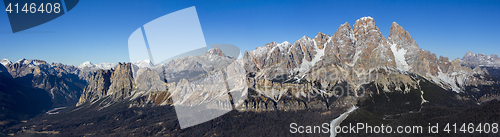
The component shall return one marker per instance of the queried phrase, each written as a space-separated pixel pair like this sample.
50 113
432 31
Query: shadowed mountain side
18 102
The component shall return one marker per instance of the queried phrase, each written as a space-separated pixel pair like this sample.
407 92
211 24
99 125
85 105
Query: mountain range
391 79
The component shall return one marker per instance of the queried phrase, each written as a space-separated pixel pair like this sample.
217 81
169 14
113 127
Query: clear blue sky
98 30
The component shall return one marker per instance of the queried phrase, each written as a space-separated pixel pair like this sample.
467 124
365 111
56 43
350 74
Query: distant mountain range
388 78
473 60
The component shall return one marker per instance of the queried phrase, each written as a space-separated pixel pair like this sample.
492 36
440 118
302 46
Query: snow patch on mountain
104 66
451 79
29 63
399 56
319 54
355 58
365 18
5 62
37 62
144 64
260 51
85 64
285 46
306 65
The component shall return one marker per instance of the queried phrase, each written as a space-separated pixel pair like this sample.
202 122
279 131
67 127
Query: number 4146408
471 128
33 8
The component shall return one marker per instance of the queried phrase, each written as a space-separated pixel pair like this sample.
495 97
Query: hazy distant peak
85 64
144 64
88 64
216 51
472 60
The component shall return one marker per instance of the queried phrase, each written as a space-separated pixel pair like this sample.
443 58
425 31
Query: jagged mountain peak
365 22
400 38
304 37
215 51
365 29
346 24
269 47
321 34
284 46
31 63
400 33
321 39
394 24
302 40
469 53
344 30
21 60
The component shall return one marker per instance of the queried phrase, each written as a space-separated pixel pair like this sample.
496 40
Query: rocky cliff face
97 87
121 81
115 84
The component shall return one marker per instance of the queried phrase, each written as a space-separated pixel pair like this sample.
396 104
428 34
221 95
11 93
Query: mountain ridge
391 79
358 56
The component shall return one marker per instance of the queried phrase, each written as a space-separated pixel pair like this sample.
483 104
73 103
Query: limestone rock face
148 81
321 39
343 40
97 87
121 81
117 84
281 61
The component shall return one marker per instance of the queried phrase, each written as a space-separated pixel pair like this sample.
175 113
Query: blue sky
98 30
